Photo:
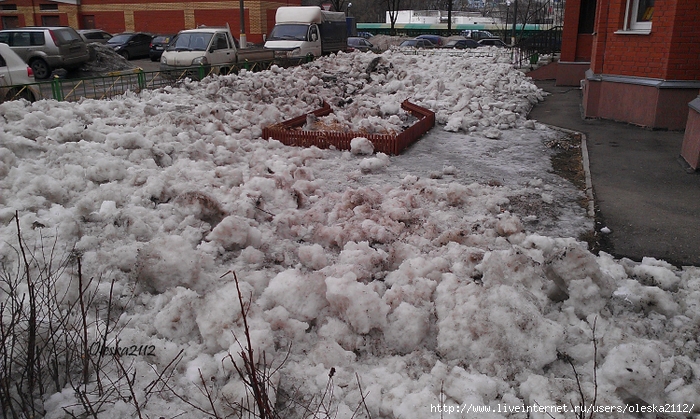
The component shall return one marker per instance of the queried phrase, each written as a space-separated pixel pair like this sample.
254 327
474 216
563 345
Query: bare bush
50 313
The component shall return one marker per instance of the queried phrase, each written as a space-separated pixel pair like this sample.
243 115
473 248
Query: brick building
159 16
639 59
638 62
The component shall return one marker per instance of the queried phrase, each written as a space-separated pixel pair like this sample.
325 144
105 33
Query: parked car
47 48
365 35
476 34
437 40
493 42
416 43
355 43
461 44
16 77
158 44
131 44
95 35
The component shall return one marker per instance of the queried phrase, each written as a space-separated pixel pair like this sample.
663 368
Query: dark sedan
461 44
492 42
355 43
131 45
158 44
417 43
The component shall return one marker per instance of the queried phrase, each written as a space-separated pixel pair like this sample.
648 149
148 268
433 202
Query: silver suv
47 48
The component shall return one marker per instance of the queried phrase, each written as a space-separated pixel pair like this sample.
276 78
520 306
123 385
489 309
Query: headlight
294 53
200 60
163 59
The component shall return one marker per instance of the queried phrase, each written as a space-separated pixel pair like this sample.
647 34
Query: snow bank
428 290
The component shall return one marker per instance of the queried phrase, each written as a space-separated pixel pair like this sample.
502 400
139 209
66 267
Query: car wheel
124 54
25 93
40 68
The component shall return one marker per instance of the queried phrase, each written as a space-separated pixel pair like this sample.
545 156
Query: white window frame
631 23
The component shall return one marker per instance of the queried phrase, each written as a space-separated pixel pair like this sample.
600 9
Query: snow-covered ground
414 278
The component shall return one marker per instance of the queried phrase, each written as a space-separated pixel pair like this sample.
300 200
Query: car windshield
289 33
191 41
409 43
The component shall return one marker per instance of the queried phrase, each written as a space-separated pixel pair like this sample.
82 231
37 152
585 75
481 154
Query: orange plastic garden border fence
286 132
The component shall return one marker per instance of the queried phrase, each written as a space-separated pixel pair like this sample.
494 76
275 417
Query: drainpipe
33 23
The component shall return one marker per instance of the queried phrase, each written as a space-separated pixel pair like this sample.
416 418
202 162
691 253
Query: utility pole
449 17
505 30
515 22
242 41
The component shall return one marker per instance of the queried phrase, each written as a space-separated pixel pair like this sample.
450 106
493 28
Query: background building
160 16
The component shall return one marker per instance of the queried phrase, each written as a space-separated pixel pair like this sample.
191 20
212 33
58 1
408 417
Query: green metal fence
117 83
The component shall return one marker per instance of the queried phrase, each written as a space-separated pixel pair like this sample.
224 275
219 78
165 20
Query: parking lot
146 64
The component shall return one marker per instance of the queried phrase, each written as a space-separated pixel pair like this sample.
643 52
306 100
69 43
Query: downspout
33 15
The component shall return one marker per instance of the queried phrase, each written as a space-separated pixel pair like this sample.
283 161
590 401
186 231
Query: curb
586 165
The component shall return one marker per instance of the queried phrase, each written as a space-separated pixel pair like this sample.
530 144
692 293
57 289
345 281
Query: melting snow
416 274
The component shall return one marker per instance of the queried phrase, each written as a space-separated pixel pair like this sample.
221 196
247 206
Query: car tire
40 68
15 94
124 54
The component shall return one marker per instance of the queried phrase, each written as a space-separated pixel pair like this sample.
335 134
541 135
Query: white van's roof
306 14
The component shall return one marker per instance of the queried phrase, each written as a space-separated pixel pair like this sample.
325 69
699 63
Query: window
220 41
10 22
50 21
638 15
48 7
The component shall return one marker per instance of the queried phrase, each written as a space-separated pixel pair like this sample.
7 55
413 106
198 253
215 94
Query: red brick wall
584 46
160 16
670 52
220 18
684 56
270 21
163 21
112 22
570 33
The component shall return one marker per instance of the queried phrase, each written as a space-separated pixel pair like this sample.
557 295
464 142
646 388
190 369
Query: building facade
160 16
637 60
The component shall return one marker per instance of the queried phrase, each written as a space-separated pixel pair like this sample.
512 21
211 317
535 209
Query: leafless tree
393 7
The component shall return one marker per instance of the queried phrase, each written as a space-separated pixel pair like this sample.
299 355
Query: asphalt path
644 195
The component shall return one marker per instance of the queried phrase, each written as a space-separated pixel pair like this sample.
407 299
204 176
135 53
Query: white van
307 32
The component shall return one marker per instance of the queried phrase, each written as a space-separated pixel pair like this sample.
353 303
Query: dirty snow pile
420 293
103 59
